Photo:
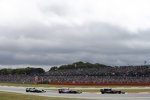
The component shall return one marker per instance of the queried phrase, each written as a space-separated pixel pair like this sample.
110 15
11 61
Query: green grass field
59 86
16 96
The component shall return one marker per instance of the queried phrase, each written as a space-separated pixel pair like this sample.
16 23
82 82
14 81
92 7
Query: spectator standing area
85 74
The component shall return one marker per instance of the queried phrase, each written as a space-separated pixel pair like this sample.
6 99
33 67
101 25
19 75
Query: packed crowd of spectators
123 74
17 79
104 71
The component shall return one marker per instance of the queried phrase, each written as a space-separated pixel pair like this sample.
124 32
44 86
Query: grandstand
85 73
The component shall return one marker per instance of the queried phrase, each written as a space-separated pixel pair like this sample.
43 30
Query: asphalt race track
92 96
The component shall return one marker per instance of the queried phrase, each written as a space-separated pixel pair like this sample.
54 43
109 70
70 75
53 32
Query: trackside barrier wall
100 84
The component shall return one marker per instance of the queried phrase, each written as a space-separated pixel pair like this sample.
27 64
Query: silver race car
69 91
35 90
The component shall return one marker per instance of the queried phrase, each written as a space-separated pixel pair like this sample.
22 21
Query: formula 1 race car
69 91
35 90
110 91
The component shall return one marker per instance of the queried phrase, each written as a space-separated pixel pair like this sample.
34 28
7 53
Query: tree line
38 71
25 71
78 65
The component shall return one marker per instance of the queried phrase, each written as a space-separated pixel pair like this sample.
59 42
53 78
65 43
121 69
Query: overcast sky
55 32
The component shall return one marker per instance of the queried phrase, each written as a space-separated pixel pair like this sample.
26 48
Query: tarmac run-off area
85 95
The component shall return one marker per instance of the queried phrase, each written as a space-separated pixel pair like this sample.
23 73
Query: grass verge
59 86
16 96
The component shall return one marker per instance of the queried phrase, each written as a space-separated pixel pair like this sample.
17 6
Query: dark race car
69 91
35 90
110 91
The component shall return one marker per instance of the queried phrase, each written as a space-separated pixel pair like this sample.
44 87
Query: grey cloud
60 44
54 8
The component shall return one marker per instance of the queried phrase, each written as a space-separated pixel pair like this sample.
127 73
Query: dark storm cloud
60 44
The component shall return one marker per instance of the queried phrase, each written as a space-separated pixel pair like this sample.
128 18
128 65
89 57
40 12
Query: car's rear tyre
59 92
